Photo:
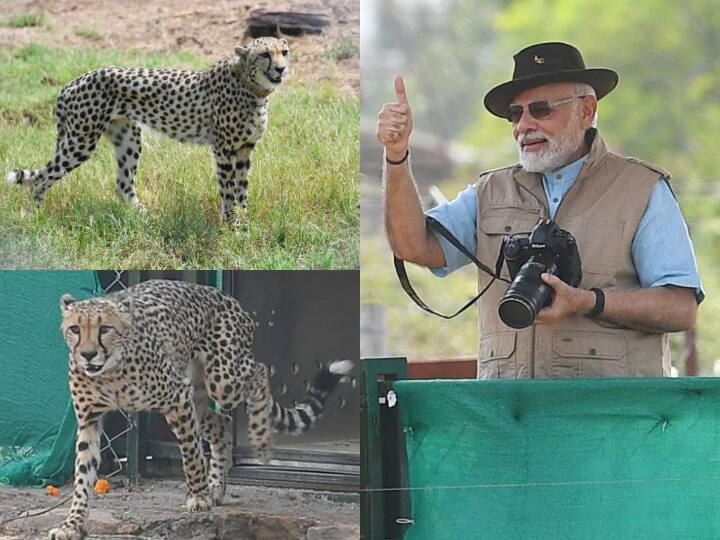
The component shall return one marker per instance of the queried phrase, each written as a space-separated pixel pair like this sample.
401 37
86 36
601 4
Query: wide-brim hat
547 63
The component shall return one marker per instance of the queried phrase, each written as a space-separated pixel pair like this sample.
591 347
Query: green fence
37 424
555 459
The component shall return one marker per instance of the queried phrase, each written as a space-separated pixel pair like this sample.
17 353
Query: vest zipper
544 205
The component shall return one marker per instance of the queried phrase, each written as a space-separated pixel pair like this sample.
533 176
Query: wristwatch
599 303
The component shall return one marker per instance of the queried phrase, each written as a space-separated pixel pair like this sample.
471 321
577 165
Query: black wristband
599 304
400 161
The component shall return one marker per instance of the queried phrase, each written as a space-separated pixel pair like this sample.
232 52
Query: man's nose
526 122
88 355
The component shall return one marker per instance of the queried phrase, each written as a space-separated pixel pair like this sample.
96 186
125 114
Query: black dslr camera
548 248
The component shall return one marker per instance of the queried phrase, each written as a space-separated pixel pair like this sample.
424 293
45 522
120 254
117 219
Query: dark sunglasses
537 109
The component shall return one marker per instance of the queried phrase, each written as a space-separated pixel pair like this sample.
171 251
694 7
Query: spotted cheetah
224 106
168 346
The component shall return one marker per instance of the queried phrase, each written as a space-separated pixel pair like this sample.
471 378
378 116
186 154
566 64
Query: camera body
548 248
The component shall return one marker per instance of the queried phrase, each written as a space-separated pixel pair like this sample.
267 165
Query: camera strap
439 228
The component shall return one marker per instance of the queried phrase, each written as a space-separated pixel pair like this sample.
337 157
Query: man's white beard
559 151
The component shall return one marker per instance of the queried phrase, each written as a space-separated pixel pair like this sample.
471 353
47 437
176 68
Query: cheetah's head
263 62
94 331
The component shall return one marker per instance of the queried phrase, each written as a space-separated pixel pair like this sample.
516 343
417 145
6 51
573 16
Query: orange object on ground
52 491
102 486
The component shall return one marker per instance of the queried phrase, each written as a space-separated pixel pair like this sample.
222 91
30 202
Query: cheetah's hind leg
216 429
126 136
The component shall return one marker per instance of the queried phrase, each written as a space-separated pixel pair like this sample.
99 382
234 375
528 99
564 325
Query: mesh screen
37 424
591 459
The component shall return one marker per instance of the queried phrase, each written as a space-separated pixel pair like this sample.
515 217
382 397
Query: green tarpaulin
563 459
37 424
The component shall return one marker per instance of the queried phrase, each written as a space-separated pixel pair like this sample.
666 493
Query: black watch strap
599 303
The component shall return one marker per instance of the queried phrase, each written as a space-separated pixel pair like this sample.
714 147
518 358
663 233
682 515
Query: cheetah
168 346
225 106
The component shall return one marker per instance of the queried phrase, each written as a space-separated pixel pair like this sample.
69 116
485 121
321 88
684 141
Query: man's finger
400 94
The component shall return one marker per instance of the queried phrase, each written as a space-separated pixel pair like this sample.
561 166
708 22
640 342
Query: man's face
551 142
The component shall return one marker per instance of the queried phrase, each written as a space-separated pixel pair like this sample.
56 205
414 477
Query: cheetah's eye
75 329
285 52
105 329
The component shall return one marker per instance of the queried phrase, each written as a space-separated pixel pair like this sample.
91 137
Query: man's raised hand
395 123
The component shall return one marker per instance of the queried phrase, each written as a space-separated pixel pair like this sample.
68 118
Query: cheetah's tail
19 176
303 416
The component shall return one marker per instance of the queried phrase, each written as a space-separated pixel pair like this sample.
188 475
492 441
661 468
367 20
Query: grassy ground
303 202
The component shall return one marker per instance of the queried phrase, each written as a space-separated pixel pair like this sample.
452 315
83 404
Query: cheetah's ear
66 302
241 52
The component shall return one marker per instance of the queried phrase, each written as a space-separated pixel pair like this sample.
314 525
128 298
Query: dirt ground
153 511
209 29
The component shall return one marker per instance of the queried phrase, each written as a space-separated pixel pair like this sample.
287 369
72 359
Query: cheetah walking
224 106
168 346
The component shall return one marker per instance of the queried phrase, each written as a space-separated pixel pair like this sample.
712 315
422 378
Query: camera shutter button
592 352
508 228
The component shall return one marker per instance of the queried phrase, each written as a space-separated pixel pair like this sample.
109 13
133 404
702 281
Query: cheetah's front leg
87 458
233 168
224 168
240 177
183 421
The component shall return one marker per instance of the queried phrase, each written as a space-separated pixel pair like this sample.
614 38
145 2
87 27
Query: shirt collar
568 173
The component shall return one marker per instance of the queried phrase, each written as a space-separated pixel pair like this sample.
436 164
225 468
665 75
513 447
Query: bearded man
639 275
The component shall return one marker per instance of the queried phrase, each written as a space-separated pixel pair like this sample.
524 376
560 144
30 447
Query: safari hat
547 63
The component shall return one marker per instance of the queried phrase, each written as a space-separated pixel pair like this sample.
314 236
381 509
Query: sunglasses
537 109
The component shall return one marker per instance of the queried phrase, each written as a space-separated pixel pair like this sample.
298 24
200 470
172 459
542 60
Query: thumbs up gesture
395 123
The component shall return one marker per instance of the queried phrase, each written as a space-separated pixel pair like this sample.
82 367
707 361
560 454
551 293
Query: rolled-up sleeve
662 249
459 216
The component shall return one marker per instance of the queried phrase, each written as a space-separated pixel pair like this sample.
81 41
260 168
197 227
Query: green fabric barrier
37 423
563 459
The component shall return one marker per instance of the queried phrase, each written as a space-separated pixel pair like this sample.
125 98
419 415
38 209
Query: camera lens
526 295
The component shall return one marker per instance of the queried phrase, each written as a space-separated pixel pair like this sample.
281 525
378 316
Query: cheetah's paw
218 492
198 503
65 533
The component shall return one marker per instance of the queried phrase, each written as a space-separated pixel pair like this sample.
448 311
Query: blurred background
666 109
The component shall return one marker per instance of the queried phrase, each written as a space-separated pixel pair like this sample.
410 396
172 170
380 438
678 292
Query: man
640 279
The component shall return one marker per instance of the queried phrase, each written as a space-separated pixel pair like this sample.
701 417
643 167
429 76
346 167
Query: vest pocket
588 354
496 359
495 224
509 220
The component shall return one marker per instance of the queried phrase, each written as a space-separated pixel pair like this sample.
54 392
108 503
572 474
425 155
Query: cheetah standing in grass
169 346
224 106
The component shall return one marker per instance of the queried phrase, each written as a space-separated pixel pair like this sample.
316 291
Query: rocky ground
209 29
153 511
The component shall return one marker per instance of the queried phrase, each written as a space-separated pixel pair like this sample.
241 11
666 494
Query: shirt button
558 177
555 199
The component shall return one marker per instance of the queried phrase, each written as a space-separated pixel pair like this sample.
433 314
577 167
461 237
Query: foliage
88 32
303 186
346 48
26 20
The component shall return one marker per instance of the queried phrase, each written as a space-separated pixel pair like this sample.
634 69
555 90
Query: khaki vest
602 210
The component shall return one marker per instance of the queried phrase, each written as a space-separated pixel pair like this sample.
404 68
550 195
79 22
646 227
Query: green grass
303 206
26 20
345 48
87 32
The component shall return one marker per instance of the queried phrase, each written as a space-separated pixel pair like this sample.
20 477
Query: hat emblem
538 59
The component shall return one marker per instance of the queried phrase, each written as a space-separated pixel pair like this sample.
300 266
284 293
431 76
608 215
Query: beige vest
602 210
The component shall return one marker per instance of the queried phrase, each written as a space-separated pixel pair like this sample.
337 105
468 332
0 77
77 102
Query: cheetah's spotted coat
224 106
168 346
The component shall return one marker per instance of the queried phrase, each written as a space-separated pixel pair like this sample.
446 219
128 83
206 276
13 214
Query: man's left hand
567 301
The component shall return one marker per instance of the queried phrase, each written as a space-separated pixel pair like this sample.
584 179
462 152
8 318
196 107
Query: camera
548 248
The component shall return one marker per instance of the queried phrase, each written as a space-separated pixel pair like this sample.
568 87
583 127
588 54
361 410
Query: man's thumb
400 91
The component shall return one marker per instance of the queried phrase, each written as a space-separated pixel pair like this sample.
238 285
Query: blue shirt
662 250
